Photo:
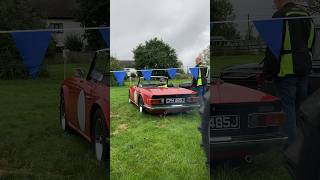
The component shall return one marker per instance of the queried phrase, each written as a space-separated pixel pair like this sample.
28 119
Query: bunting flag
120 75
32 47
147 74
194 71
271 32
172 72
106 36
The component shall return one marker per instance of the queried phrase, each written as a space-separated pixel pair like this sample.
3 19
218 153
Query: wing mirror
79 73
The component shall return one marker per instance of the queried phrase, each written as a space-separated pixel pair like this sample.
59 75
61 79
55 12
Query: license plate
175 100
224 122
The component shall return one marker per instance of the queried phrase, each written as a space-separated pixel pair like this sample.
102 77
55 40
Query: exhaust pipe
248 159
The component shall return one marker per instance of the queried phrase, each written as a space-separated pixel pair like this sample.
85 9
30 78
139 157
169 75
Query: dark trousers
201 90
292 91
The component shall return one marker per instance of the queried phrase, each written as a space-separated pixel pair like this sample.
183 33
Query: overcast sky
184 24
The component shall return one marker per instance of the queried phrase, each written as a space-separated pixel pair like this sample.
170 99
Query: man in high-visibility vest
200 83
291 70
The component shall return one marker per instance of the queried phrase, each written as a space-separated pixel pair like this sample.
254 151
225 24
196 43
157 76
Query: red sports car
160 97
84 104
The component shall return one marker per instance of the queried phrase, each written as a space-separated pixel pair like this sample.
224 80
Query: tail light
193 99
266 119
156 101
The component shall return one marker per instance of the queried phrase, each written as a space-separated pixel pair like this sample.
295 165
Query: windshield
155 82
99 69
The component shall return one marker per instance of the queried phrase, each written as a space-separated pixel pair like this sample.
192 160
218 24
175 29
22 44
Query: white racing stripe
81 110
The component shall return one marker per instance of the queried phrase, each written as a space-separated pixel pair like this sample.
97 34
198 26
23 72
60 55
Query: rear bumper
171 108
246 146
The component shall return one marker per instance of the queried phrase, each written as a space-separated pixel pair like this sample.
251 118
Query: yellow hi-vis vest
199 81
286 61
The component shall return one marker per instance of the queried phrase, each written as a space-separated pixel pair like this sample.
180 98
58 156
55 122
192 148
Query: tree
205 56
314 6
115 64
93 13
222 10
15 15
155 54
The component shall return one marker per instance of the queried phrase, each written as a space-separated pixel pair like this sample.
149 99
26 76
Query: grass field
221 62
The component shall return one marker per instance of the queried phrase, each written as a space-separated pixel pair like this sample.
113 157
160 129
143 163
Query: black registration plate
175 100
224 122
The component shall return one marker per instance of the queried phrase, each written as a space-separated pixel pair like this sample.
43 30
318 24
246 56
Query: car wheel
63 119
141 108
100 136
204 127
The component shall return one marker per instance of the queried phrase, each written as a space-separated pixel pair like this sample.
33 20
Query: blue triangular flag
105 32
271 32
32 47
172 72
147 74
194 71
120 75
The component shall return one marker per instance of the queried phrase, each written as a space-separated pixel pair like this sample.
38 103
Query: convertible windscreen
155 82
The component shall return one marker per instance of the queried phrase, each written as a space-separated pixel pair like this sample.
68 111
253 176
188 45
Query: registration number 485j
223 122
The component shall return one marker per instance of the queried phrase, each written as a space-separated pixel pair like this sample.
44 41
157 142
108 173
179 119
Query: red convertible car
84 104
160 97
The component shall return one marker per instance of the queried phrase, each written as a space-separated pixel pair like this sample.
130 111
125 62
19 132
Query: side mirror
78 73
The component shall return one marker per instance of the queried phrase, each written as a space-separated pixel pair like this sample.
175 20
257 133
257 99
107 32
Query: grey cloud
184 24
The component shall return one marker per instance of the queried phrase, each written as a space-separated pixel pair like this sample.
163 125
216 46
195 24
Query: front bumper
242 146
171 108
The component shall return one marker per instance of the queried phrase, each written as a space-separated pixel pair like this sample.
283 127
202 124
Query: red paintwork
231 93
147 93
96 95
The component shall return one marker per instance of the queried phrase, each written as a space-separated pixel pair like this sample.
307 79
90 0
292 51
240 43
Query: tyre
204 127
100 136
141 108
63 119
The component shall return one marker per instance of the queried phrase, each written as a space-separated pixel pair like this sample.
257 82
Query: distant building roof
56 9
127 63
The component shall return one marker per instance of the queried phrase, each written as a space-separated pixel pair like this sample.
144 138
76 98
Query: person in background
200 83
290 71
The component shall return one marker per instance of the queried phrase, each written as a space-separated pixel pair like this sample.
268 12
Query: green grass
32 144
145 146
221 62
